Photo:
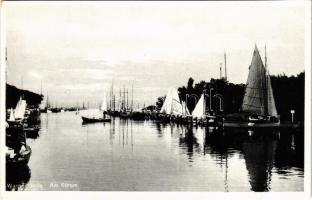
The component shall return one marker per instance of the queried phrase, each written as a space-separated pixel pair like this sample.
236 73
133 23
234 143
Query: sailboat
172 105
173 108
93 119
18 151
48 105
12 117
199 110
20 109
258 107
185 111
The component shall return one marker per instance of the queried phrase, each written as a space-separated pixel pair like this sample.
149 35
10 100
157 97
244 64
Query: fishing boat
94 119
258 108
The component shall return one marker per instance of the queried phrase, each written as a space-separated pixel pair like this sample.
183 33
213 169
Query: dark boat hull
249 124
20 160
94 120
32 132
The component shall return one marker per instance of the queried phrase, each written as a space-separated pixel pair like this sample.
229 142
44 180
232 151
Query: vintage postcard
177 99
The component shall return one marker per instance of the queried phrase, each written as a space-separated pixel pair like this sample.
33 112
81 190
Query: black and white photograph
140 96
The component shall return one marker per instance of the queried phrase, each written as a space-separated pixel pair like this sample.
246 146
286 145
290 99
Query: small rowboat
93 120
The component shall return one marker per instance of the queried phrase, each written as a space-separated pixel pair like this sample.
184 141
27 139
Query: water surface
127 155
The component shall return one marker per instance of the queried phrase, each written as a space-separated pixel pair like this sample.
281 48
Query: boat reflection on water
262 151
259 153
17 178
127 155
189 142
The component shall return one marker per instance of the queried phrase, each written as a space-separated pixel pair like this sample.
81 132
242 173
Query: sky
77 50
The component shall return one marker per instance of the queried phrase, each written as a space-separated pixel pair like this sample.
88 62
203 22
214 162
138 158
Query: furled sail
258 98
199 108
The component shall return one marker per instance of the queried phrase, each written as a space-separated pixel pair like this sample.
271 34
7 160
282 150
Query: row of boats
258 108
21 123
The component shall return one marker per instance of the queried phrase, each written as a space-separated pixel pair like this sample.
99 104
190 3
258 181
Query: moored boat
258 107
93 120
172 108
18 159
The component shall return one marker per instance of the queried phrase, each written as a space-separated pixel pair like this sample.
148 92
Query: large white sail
20 109
166 107
17 108
254 99
172 103
258 96
12 117
271 102
199 108
176 106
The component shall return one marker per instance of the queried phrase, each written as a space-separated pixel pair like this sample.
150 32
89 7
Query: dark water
127 155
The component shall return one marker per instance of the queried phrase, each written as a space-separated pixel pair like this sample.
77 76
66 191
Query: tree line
13 94
288 92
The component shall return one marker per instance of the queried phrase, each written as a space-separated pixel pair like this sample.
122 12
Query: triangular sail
20 109
176 106
17 109
258 97
271 102
12 117
199 108
172 103
166 107
254 99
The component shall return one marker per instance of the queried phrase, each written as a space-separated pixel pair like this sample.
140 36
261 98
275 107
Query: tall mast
114 103
124 98
112 96
127 107
47 100
265 83
225 66
120 100
265 57
132 97
220 70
